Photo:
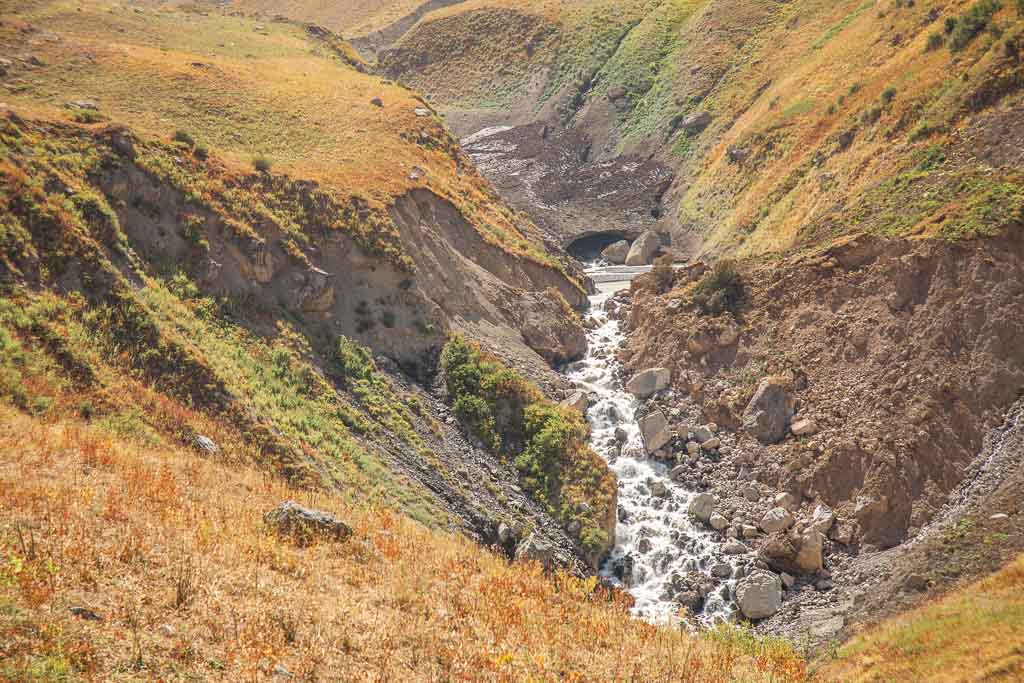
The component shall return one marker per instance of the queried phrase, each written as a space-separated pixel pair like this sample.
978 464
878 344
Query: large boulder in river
759 594
644 250
654 430
616 253
649 382
770 411
702 506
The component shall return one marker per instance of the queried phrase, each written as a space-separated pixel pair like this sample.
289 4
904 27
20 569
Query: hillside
125 561
785 124
603 340
193 246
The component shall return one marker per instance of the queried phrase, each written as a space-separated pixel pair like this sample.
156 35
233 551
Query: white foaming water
674 544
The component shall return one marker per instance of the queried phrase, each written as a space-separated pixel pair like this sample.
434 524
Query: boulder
206 444
616 253
577 400
801 554
804 427
703 433
535 549
659 489
695 122
786 500
768 415
649 382
722 570
644 249
654 431
809 559
718 522
711 444
702 506
734 547
776 519
304 525
759 594
823 519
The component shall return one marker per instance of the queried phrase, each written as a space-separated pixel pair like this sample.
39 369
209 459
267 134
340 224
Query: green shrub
88 117
546 442
184 137
972 22
950 25
262 164
935 41
888 95
720 290
664 273
201 152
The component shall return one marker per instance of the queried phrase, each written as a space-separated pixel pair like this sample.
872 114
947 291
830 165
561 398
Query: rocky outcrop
616 253
550 328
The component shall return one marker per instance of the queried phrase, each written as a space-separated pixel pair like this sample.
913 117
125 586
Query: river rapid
656 541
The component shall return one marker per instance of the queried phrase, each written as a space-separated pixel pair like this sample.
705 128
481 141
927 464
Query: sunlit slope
123 561
975 634
351 18
248 88
788 123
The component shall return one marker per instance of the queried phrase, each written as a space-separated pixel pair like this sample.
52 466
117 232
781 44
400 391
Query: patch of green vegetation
801 106
547 442
646 67
841 25
972 22
990 208
720 290
358 373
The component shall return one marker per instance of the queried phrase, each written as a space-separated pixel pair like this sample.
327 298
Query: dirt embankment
903 354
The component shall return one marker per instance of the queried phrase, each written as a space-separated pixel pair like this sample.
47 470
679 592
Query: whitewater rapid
655 532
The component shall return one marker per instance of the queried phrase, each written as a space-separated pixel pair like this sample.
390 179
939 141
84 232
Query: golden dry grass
974 634
248 88
170 551
353 18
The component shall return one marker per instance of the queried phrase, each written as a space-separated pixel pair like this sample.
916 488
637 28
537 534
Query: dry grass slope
169 551
975 634
248 89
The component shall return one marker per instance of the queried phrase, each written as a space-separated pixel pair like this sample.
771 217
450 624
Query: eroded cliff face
900 354
325 319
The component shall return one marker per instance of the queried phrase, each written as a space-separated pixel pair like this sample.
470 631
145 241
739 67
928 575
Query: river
656 542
